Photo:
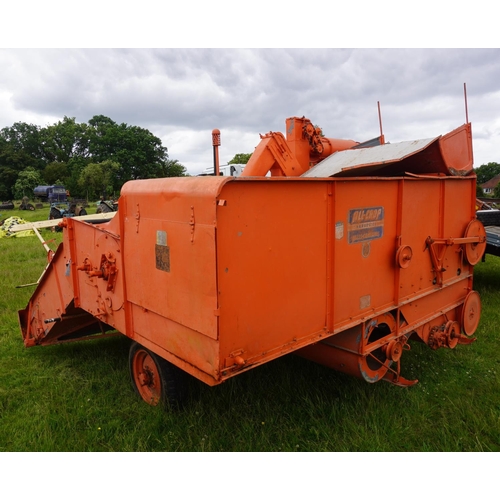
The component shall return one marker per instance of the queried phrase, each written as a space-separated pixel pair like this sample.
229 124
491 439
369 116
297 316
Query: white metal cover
367 157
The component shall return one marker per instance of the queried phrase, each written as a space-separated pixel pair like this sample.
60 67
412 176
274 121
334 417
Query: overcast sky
180 95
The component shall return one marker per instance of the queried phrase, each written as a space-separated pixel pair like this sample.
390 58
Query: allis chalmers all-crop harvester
344 254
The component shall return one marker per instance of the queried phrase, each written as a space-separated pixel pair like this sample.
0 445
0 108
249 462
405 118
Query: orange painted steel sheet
218 275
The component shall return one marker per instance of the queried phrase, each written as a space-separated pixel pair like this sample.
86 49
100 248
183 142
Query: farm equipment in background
106 206
51 194
7 205
490 217
26 205
62 210
345 254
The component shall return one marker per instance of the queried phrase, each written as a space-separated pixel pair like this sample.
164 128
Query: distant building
489 186
232 169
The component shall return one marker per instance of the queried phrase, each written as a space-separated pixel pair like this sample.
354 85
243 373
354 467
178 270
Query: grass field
78 397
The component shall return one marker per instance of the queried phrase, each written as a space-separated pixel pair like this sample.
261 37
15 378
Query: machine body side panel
365 220
169 250
315 250
271 264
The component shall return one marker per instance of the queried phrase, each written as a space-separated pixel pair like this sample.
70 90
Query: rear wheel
154 379
55 213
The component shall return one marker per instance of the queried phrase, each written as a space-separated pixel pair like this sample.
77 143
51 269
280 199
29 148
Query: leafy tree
139 153
25 140
487 171
75 168
13 159
8 178
240 158
56 173
63 150
174 169
64 140
97 178
479 191
27 181
496 191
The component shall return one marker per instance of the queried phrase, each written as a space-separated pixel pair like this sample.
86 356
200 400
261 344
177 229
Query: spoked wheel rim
146 377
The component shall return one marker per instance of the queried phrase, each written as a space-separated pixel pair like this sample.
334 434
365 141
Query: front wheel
154 379
55 214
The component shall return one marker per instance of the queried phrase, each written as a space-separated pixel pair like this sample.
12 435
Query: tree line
96 158
90 159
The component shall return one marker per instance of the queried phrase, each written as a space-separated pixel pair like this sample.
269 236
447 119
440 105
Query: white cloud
182 94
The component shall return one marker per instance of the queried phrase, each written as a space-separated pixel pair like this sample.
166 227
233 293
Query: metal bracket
437 256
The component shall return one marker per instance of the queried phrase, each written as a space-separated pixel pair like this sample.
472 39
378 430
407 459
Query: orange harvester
343 255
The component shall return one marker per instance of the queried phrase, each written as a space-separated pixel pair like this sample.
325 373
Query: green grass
78 396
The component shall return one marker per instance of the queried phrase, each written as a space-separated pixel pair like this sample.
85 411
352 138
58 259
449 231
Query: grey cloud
255 90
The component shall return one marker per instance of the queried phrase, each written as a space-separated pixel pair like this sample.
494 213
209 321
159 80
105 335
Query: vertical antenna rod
465 98
382 139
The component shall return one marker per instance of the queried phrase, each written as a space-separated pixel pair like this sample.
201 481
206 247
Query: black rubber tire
55 213
171 385
83 212
31 207
489 217
98 210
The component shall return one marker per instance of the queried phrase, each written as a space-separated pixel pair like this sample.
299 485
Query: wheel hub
146 376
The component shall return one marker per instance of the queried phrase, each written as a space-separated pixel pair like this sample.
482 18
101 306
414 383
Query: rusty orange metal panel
271 261
94 292
456 149
430 305
192 351
169 246
417 277
365 247
54 314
